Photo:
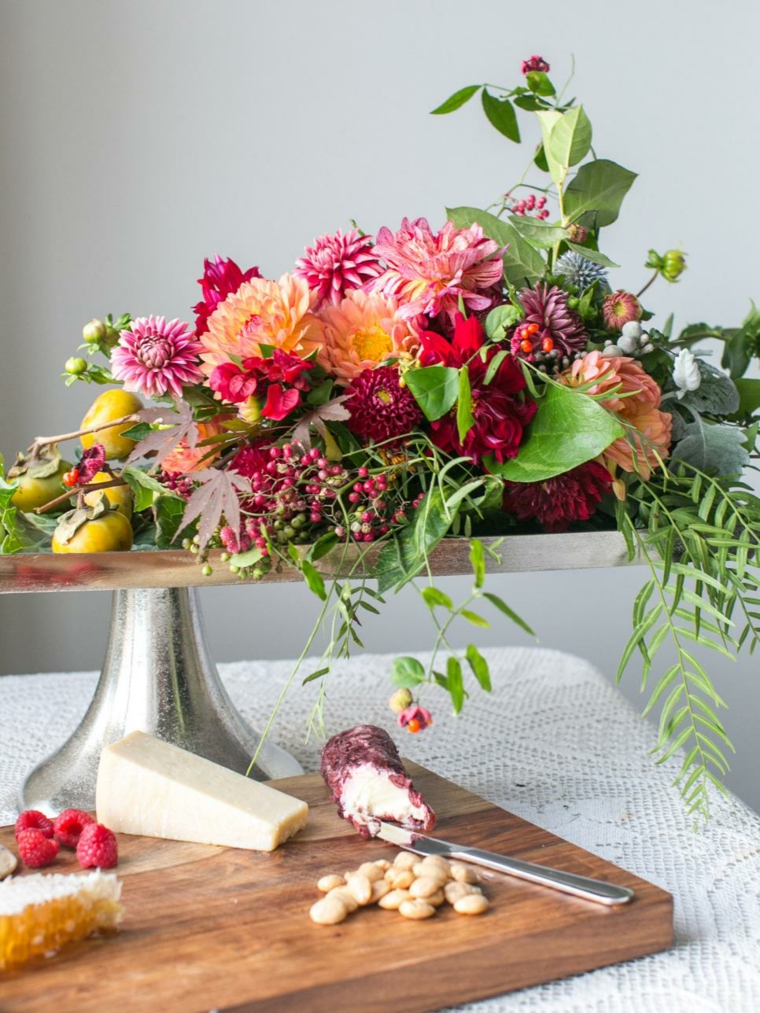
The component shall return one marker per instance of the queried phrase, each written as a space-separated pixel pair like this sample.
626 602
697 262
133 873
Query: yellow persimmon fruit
36 492
119 496
111 532
111 404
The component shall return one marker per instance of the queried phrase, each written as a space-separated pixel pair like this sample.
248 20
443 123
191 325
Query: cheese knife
568 882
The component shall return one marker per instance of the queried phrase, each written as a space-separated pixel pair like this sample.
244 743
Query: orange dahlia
648 430
360 332
261 312
184 459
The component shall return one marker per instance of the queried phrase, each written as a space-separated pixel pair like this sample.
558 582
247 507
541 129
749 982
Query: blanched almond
454 890
346 897
416 909
327 883
471 904
371 870
329 910
425 886
464 873
405 860
360 887
392 901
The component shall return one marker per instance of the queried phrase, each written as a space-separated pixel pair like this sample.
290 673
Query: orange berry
526 346
547 344
71 478
532 328
414 726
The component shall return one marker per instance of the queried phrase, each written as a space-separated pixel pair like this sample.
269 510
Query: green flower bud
75 366
400 700
674 265
94 332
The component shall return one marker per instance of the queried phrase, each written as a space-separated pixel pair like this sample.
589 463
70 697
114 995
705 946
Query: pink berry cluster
372 513
181 485
532 206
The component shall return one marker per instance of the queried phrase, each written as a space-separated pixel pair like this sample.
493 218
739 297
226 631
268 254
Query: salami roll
367 780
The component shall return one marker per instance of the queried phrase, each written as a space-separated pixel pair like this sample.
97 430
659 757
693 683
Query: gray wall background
138 138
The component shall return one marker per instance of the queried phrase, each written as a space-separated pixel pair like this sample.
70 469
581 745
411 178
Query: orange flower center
372 344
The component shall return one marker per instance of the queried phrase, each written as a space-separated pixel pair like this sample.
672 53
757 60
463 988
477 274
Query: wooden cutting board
209 928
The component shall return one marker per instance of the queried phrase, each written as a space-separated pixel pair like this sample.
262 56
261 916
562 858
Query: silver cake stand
158 675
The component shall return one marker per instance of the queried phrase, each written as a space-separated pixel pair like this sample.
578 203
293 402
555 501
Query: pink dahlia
556 502
430 272
220 278
620 308
549 327
336 264
154 357
381 409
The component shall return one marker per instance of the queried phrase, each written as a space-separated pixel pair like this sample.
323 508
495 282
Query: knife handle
568 882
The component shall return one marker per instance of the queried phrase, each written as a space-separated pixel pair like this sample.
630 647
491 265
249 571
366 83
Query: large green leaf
548 120
501 114
570 140
749 396
523 264
542 234
598 188
403 558
569 429
435 389
456 101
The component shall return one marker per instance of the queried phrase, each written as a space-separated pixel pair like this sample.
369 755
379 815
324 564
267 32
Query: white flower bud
632 330
610 351
627 344
686 375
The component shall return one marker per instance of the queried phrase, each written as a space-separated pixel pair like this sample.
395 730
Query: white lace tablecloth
555 743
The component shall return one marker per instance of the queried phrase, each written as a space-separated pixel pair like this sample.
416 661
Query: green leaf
145 489
568 429
315 675
455 683
478 561
323 545
539 83
501 114
433 596
475 619
479 667
168 512
406 673
405 556
502 606
542 234
456 101
465 418
599 189
548 120
435 389
500 319
249 558
713 448
570 139
138 432
593 255
523 264
749 396
314 579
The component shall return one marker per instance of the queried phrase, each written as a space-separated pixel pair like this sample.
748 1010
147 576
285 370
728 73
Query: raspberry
69 826
33 819
35 849
97 847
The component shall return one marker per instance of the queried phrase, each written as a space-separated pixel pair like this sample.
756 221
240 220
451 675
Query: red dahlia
381 409
221 277
557 502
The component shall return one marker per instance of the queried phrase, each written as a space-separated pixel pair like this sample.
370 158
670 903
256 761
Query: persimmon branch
80 489
44 441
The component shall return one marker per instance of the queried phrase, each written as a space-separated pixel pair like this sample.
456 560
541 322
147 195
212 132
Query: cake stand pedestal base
158 677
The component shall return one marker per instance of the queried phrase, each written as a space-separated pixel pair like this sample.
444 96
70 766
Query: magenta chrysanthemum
381 409
429 272
549 325
154 357
556 502
336 264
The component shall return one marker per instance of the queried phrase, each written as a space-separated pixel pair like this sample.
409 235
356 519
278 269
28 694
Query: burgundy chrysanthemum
557 502
381 409
220 278
557 327
336 264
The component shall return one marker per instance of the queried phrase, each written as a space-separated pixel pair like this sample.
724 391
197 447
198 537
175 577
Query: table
555 743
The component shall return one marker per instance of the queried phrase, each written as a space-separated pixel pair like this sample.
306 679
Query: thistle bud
75 366
94 332
400 700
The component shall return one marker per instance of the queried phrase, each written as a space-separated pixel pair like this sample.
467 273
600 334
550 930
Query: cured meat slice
367 780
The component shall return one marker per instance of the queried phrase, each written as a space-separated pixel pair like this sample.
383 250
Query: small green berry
234 569
194 549
206 570
225 557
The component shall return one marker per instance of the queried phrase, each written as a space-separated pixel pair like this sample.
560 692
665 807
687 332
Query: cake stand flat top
107 571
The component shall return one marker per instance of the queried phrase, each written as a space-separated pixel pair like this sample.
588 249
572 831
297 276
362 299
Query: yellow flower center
384 396
372 344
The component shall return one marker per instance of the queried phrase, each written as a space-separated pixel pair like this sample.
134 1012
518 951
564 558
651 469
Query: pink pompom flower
337 264
154 357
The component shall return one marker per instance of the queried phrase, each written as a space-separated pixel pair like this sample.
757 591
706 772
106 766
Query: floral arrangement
478 379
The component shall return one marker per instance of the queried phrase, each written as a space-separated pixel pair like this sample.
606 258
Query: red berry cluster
372 514
531 206
181 485
39 839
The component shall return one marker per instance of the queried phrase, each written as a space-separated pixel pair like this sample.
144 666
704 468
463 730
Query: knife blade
595 890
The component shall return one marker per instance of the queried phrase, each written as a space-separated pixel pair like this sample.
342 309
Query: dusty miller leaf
719 449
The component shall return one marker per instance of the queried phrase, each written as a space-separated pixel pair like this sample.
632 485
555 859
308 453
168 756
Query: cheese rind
149 787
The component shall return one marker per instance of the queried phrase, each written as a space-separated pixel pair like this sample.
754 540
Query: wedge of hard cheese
146 786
